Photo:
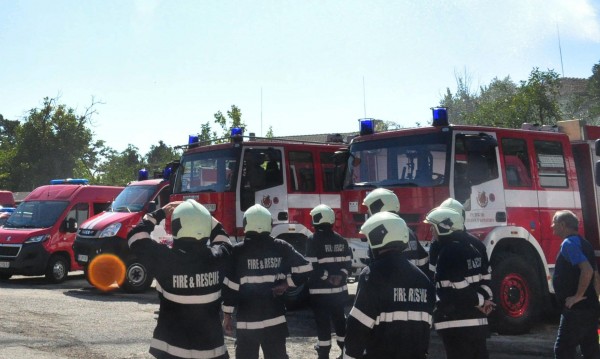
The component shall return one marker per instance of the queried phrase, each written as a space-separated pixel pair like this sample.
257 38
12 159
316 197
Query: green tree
8 144
120 168
537 98
594 92
233 119
158 156
50 143
270 133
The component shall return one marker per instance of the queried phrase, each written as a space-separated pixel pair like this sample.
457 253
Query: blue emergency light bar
7 209
142 174
192 139
167 173
237 134
440 116
70 181
366 126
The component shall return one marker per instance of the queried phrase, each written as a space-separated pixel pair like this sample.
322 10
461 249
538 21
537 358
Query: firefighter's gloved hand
335 280
280 288
170 207
227 324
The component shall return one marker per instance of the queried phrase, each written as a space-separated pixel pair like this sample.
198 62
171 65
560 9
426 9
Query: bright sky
163 68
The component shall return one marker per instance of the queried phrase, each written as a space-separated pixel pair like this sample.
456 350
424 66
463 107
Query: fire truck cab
510 181
287 177
37 238
107 232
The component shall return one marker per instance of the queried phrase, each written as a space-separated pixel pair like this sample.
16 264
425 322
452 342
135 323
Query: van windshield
210 171
411 161
36 214
133 199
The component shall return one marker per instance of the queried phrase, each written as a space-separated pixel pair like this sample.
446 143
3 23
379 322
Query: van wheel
137 277
57 269
517 293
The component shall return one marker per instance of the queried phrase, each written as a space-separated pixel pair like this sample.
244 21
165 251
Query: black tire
517 293
137 277
5 276
57 269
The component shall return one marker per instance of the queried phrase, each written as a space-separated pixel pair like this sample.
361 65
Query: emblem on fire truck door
266 201
482 199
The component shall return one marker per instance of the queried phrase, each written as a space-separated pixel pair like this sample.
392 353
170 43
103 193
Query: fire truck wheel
137 277
517 293
57 269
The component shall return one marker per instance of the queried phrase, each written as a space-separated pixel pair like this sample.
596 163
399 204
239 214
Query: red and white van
38 237
107 231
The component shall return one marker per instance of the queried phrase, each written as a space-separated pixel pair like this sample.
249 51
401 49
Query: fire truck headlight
440 116
110 231
367 126
37 239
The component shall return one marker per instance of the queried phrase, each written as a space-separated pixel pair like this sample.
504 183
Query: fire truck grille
9 250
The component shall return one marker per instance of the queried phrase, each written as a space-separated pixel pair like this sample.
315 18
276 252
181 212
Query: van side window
302 171
328 168
80 212
516 162
550 163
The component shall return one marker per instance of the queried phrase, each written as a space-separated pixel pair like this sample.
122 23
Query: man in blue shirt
576 285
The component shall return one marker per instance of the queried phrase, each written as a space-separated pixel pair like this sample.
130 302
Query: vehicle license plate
4 264
82 258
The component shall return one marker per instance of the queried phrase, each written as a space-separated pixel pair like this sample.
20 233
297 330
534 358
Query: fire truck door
476 180
263 181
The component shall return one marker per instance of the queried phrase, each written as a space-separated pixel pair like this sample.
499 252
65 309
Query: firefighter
331 259
392 313
462 288
189 278
262 268
435 244
382 199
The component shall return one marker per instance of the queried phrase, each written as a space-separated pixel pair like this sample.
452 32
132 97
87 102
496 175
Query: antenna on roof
364 98
560 52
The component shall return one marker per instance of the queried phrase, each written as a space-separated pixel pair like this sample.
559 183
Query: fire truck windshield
36 214
133 198
210 171
418 160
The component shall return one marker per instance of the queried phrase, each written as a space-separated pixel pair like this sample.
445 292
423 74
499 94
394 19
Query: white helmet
381 199
257 219
190 219
322 214
445 220
453 204
385 230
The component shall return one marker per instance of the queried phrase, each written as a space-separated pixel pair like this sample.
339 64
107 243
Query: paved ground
73 320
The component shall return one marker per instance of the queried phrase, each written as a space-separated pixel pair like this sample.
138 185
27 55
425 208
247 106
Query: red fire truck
287 177
511 182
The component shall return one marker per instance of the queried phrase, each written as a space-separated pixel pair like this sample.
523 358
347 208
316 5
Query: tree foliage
233 119
503 103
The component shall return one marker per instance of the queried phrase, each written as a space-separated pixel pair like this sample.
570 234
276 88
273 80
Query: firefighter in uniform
262 268
382 199
392 313
462 288
434 249
331 259
189 278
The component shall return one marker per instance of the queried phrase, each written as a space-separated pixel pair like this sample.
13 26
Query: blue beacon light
237 134
367 126
440 116
142 174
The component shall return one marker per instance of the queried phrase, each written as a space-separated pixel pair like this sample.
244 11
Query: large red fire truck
511 182
287 177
